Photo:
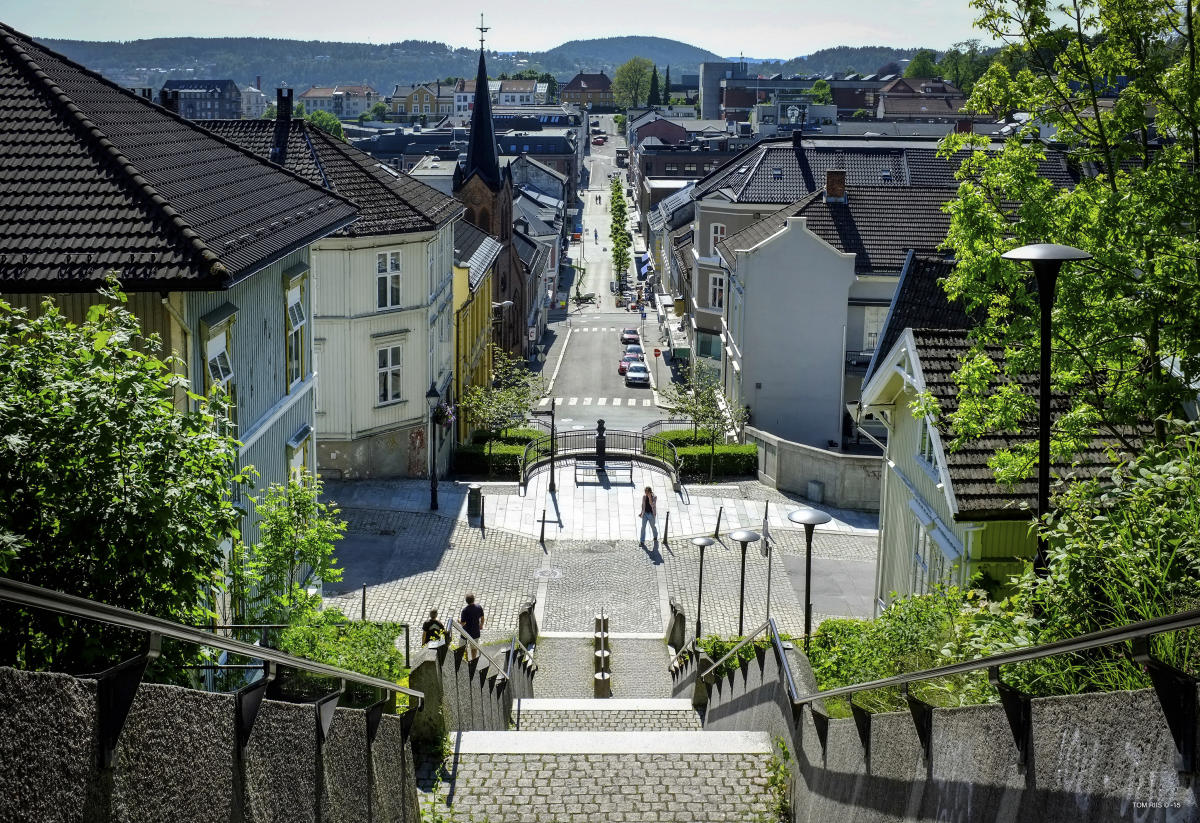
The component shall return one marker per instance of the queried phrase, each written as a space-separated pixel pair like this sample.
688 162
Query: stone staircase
637 756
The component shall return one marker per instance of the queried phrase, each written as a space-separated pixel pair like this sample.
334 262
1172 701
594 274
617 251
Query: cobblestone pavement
565 668
593 574
609 721
411 562
577 788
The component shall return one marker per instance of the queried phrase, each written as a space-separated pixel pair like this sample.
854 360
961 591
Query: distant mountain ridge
303 63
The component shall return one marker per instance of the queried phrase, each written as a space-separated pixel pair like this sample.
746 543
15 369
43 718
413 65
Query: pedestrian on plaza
649 512
472 623
432 630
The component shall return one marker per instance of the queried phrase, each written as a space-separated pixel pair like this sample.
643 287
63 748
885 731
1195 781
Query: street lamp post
550 414
810 519
432 397
701 543
1047 260
745 537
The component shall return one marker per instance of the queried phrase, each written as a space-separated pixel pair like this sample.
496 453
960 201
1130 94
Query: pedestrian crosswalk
640 402
614 329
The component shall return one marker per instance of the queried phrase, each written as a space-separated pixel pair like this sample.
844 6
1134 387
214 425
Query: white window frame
716 291
297 321
389 367
873 320
716 233
389 292
216 357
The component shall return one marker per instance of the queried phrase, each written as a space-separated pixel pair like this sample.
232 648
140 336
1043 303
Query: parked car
630 336
637 375
635 348
626 360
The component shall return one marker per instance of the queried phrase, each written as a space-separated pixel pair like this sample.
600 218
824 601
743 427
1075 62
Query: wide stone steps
591 776
566 665
611 715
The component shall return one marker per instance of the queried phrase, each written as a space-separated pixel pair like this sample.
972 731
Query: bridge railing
619 445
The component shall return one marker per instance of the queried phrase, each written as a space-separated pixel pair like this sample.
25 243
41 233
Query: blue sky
759 28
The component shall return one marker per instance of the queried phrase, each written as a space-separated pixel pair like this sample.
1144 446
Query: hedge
511 436
685 437
473 459
727 461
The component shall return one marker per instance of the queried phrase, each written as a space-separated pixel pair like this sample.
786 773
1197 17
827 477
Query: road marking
545 401
632 401
572 401
646 402
600 401
617 401
558 401
587 401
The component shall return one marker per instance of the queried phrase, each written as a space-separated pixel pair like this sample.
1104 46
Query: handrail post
543 537
717 530
364 603
666 531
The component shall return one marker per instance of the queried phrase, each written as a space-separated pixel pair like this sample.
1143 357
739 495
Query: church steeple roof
481 147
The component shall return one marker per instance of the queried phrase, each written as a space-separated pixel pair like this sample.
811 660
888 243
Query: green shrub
511 436
363 647
727 461
717 647
473 459
688 437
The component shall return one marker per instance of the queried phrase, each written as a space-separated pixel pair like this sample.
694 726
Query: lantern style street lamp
809 519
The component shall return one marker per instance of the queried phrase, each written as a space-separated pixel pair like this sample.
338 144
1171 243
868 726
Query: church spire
481 146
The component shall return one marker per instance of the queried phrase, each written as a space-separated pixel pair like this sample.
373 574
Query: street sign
643 314
658 353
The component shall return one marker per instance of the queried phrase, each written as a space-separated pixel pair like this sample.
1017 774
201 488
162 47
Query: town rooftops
474 250
782 170
532 253
389 201
518 86
589 82
329 91
94 179
226 86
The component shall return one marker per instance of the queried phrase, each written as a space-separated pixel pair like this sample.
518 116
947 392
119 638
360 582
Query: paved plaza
411 559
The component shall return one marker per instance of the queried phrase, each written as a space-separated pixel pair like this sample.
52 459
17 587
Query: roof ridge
93 134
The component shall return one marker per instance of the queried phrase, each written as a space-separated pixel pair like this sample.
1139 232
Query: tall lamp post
432 398
701 543
809 519
745 537
550 414
1047 259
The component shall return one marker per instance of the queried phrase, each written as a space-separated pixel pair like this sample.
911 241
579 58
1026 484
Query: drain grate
547 574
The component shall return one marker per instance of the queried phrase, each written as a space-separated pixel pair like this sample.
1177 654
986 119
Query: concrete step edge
594 742
613 704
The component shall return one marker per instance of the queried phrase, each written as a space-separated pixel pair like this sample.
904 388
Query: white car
637 375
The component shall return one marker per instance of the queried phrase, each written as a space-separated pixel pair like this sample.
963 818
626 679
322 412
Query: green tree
327 123
820 92
270 112
923 64
295 550
666 89
508 400
699 397
551 85
653 96
379 111
115 480
618 232
631 82
1126 342
964 64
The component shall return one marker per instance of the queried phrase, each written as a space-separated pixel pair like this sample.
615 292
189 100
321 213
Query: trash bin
474 500
816 491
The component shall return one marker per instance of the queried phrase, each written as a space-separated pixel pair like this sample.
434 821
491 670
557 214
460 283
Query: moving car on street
637 375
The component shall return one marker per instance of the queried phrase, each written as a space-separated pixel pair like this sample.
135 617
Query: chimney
963 127
835 186
283 126
169 100
797 139
258 82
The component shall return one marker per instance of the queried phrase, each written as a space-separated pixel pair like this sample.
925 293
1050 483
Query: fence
617 445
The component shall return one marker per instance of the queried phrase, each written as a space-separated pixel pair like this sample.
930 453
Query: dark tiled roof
481 158
594 82
879 224
389 201
225 86
681 242
532 253
976 491
94 178
775 171
474 249
920 302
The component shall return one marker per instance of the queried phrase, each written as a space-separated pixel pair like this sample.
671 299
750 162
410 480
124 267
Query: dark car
630 336
626 359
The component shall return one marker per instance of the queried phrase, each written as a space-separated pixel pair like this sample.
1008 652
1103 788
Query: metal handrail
1093 640
691 646
452 626
512 654
37 597
657 426
618 443
766 625
777 642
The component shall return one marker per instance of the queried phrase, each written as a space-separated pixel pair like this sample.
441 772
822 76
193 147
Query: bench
611 467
